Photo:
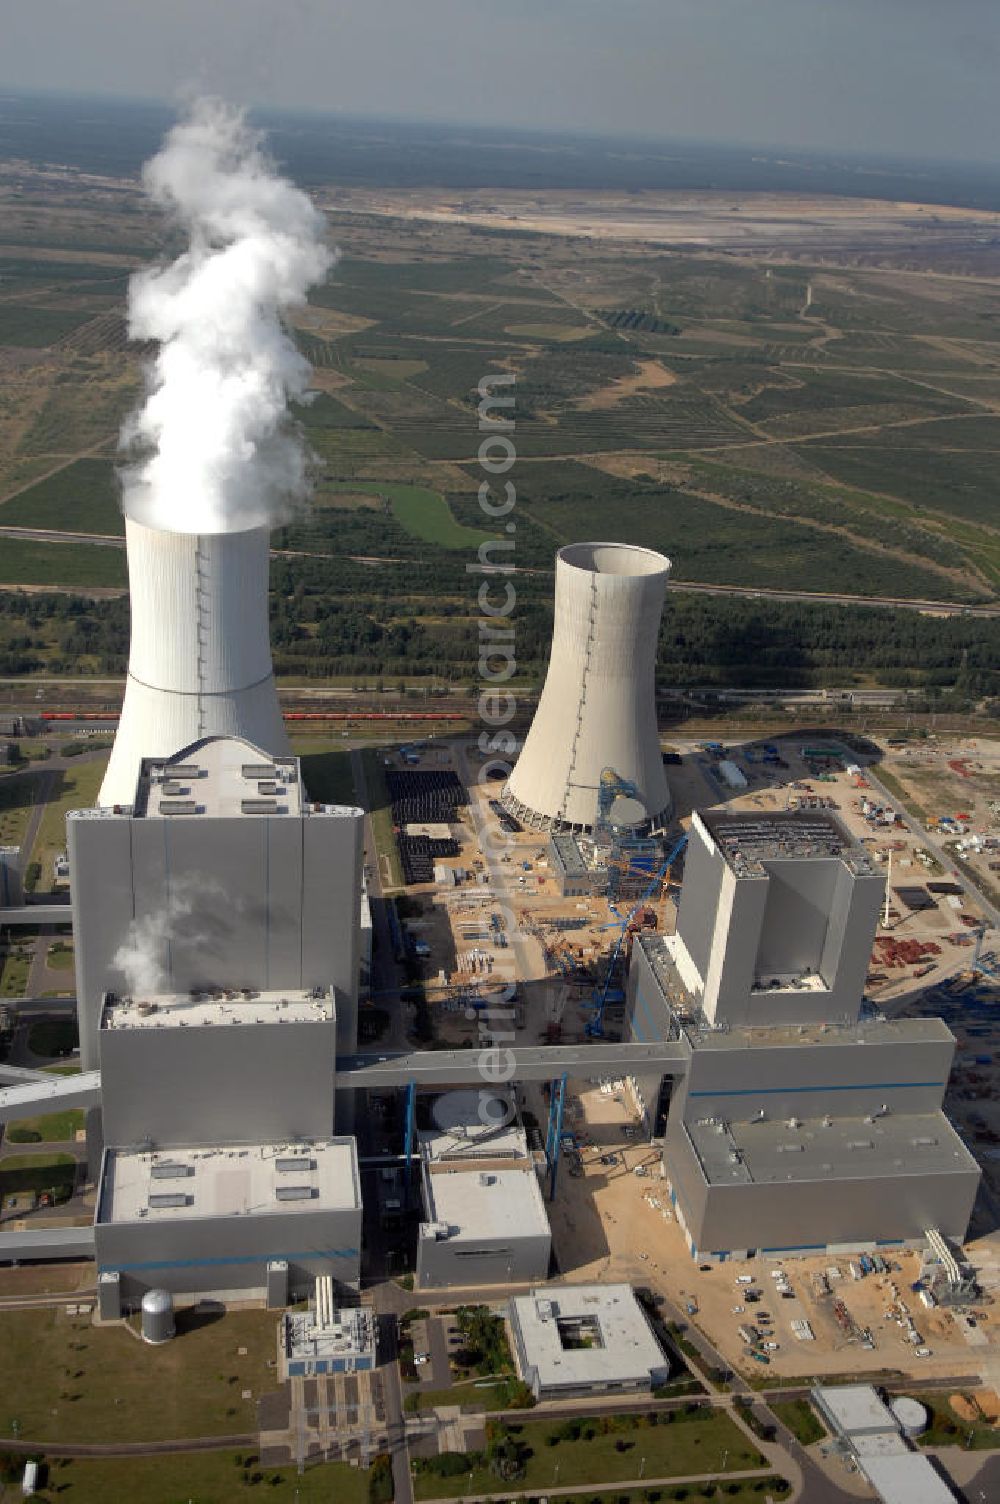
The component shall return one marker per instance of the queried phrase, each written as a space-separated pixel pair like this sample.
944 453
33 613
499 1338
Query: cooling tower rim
134 520
622 560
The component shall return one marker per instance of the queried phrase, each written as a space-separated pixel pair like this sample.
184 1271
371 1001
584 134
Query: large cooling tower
598 707
200 656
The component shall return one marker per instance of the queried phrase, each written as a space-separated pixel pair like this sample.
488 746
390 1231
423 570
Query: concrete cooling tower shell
200 654
598 706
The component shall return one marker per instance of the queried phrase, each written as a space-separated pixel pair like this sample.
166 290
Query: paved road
399 1451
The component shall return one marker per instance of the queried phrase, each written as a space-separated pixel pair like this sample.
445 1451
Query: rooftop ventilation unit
160 1200
296 1192
284 1166
171 1172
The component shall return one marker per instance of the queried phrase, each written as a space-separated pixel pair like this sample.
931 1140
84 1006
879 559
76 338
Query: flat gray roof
906 1478
566 853
622 1346
479 1205
855 1408
218 1009
756 1153
211 1181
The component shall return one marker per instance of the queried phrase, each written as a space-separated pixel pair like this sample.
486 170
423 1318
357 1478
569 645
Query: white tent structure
598 706
200 653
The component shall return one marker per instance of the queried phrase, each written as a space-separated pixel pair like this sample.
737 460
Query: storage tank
598 706
157 1316
911 1415
200 651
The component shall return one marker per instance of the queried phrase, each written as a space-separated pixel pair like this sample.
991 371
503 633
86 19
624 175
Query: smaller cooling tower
200 654
598 706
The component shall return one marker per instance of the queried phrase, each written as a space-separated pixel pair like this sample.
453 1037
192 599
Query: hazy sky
909 76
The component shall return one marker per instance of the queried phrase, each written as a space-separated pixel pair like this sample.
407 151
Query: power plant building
218 874
234 1068
798 1123
597 708
213 1220
485 1220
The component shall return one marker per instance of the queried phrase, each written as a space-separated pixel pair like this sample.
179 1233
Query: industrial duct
200 653
598 706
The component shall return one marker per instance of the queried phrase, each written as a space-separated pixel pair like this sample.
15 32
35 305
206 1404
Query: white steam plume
142 958
214 445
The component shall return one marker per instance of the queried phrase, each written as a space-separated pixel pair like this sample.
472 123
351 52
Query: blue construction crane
595 1028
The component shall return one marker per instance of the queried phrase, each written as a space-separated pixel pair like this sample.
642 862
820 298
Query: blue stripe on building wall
781 1091
246 1258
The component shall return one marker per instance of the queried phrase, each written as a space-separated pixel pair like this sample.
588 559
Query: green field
75 565
21 1174
679 1446
800 1418
52 1128
82 498
62 1379
199 1478
77 788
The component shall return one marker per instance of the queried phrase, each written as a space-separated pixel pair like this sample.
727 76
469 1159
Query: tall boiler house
598 706
200 653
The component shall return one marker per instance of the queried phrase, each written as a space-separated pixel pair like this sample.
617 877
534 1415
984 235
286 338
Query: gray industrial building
218 1068
219 1219
220 874
485 1220
798 1124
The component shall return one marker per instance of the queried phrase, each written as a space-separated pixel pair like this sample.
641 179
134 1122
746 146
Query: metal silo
157 1316
597 709
200 653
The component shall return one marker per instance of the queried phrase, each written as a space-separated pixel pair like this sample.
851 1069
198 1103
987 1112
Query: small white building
584 1339
870 1431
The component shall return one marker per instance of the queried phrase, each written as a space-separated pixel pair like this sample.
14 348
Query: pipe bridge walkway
496 1065
41 1093
34 1092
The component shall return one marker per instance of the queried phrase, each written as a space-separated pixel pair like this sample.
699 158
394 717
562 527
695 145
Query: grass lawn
53 1036
60 957
64 1380
471 1394
14 974
684 1446
800 1418
427 516
381 816
328 776
26 562
51 1127
948 1430
200 1478
21 1173
18 793
77 788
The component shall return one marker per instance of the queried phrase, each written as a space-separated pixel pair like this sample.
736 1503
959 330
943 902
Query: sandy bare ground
679 218
650 376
